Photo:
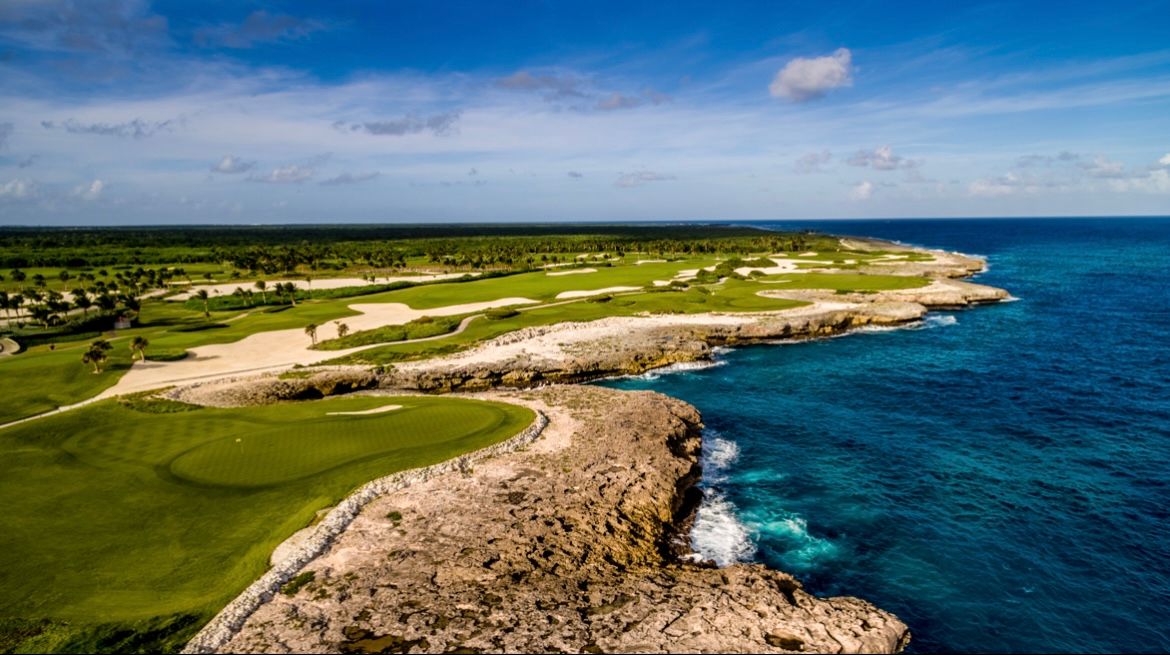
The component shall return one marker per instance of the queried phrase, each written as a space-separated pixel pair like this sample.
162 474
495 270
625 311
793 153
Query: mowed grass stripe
114 517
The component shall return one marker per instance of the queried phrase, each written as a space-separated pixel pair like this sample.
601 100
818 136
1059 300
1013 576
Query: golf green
118 517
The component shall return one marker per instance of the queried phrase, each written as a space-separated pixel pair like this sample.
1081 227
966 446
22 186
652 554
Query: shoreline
572 543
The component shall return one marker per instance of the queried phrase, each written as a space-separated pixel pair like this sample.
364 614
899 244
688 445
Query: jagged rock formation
563 547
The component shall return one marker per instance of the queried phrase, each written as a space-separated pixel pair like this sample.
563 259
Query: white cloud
1105 168
91 191
862 191
804 79
882 159
291 174
1156 181
349 178
811 162
17 189
231 165
1165 160
627 180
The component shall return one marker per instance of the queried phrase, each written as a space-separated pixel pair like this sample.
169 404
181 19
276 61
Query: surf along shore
578 541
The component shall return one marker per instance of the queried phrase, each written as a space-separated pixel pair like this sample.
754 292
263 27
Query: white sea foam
937 320
803 550
718 534
680 367
719 453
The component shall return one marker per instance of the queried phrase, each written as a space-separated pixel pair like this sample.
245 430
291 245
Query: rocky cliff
567 546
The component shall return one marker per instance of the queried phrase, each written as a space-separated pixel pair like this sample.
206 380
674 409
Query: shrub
602 298
199 327
166 355
295 585
501 313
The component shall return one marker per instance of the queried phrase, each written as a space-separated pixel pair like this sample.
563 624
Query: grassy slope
116 516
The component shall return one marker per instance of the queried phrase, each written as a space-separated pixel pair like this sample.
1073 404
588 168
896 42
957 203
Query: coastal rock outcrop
566 546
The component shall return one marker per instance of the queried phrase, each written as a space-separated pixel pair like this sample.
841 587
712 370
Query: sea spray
718 534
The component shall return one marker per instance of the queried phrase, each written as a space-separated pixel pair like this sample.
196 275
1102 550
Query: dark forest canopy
274 248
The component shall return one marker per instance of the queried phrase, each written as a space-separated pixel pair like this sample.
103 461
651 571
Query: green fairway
845 281
730 296
120 518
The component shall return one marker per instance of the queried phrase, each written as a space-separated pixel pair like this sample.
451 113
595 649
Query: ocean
998 477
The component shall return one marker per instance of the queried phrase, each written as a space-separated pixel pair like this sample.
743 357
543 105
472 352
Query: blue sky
129 111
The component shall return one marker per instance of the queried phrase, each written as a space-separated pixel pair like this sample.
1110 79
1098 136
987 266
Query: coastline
570 544
532 366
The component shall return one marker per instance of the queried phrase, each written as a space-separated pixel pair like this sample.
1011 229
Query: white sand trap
810 253
565 295
376 410
661 283
649 261
575 271
227 288
781 266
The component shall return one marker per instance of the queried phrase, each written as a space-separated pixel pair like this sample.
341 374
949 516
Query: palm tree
138 345
291 290
311 330
262 285
96 355
82 301
342 330
202 295
309 281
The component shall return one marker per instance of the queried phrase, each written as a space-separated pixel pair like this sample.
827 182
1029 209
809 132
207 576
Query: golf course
132 517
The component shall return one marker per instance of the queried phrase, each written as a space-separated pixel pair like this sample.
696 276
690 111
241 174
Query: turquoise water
997 477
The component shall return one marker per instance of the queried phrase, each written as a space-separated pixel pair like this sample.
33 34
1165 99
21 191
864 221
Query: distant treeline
278 248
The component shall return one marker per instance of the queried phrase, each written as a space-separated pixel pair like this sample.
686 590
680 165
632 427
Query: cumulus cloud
108 26
291 174
1155 181
1103 167
438 124
1165 160
862 191
882 159
17 189
555 87
91 191
232 165
259 27
137 128
349 178
1047 160
575 175
621 101
617 101
1015 183
813 161
627 180
804 79
5 132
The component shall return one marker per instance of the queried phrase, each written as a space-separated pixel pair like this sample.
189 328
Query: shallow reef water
998 477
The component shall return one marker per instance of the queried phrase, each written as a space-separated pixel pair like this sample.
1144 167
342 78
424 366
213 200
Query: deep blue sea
998 477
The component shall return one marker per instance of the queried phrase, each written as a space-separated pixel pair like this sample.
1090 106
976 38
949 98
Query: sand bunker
376 410
575 271
327 283
649 261
565 295
276 349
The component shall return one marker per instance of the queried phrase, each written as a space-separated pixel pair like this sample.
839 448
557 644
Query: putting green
119 519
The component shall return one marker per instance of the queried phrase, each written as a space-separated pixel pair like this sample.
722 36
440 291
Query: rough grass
117 519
